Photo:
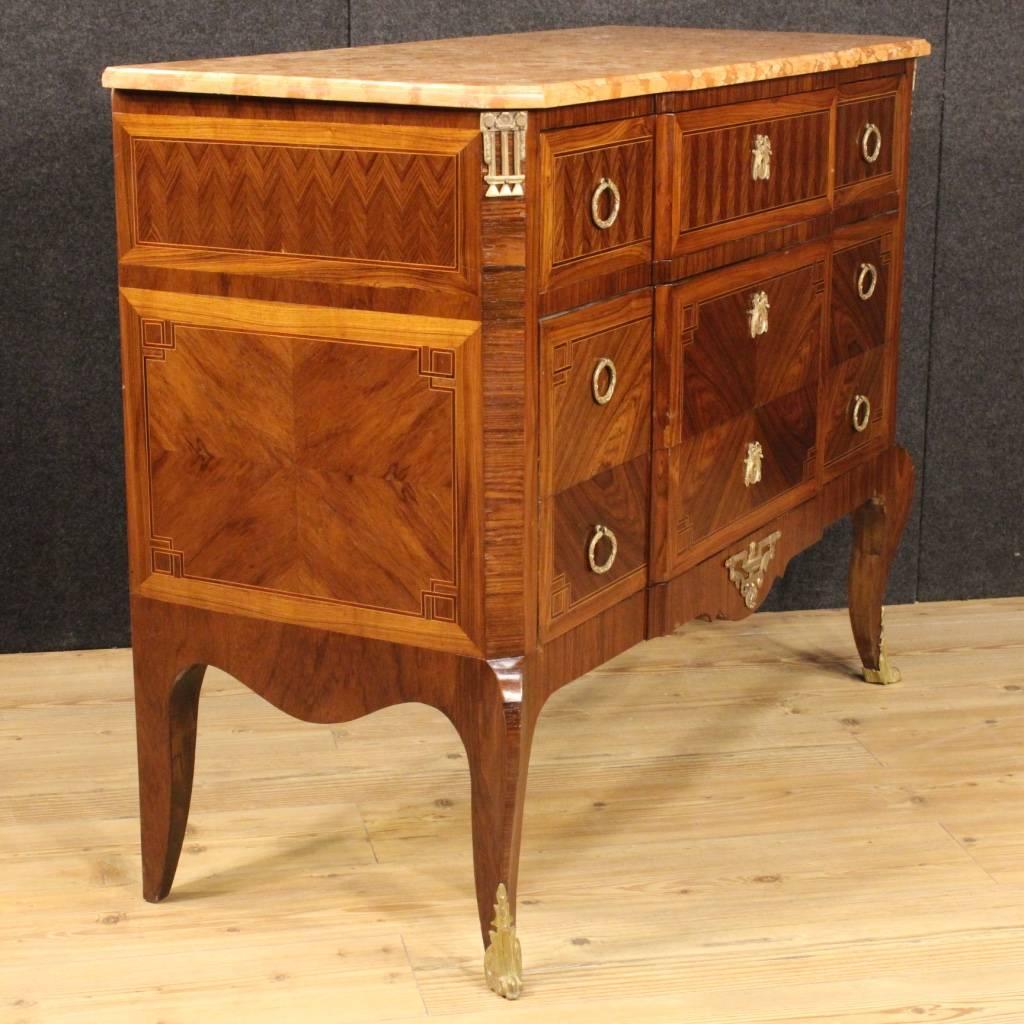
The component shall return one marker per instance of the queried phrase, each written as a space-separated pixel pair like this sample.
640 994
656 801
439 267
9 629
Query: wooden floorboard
723 827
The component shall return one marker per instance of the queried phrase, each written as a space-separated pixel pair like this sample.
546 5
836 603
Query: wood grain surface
328 202
264 469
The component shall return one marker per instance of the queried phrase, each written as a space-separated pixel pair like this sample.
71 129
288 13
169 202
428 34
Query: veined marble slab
531 70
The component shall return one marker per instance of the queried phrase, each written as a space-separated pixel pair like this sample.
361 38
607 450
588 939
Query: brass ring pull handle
599 534
871 142
603 395
861 413
605 185
867 279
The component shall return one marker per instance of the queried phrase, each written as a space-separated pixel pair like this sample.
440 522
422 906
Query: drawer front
594 549
734 340
861 287
865 143
595 389
722 476
856 415
597 184
736 170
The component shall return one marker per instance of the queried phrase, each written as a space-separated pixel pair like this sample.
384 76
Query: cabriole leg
877 527
497 736
166 712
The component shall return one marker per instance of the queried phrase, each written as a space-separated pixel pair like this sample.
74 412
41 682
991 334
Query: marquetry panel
703 479
310 464
705 170
574 161
709 368
571 590
859 323
864 375
580 351
318 201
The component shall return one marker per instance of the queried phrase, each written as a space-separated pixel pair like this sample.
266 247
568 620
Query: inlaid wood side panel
313 465
571 590
864 375
703 480
580 436
705 170
335 203
573 163
860 323
709 369
315 201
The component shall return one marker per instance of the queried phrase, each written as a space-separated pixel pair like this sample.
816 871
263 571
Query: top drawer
869 138
597 187
730 171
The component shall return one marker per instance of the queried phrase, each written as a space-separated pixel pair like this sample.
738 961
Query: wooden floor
722 826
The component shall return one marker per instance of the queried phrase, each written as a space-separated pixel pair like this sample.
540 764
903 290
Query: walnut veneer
452 405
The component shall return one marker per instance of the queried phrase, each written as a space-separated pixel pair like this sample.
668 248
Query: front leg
497 731
166 711
877 527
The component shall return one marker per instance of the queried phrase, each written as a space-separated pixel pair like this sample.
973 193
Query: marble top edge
552 68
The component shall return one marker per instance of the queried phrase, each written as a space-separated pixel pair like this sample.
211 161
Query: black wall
62 553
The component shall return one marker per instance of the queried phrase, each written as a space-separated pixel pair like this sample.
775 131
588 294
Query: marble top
531 70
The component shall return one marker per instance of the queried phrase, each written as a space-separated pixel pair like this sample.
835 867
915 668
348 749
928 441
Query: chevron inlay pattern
389 207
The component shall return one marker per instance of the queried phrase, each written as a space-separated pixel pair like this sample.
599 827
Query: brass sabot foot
503 961
885 674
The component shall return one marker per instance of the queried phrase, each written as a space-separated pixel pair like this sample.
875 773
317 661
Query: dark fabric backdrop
62 551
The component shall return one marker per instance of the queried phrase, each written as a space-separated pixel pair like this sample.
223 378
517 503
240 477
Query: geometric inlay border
440 602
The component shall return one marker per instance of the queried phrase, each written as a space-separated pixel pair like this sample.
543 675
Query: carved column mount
504 133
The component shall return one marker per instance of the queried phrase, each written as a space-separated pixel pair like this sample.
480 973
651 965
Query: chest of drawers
447 385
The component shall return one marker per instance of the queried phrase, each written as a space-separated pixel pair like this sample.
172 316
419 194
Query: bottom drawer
855 419
594 548
718 477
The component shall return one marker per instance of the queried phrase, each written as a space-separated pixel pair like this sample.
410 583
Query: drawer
597 185
736 339
731 171
594 547
870 138
855 420
595 389
724 475
862 267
